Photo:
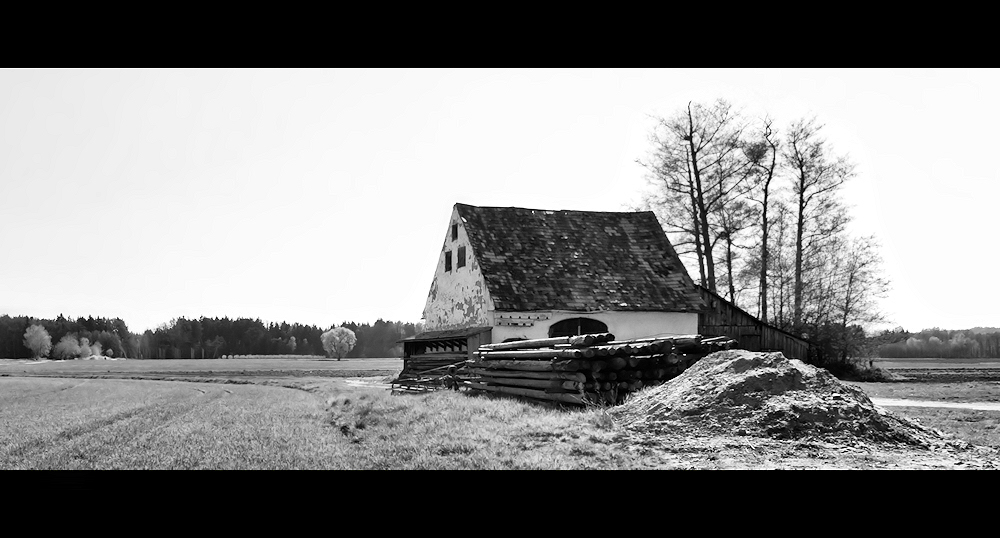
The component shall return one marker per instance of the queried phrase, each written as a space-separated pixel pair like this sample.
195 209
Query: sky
320 196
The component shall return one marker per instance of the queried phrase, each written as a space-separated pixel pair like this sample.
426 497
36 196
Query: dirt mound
765 394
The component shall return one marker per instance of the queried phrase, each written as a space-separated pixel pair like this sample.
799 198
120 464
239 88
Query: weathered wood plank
579 341
570 376
533 354
517 382
530 366
539 394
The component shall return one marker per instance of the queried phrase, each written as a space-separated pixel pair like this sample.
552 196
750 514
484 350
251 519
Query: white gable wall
624 325
458 298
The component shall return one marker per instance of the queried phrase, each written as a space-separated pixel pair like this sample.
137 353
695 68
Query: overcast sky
319 196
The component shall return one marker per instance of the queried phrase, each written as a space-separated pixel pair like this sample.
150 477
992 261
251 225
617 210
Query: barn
509 273
723 318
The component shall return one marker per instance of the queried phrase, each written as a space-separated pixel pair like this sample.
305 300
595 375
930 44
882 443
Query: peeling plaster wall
458 298
624 325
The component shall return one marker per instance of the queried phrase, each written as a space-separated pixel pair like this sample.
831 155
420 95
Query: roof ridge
555 210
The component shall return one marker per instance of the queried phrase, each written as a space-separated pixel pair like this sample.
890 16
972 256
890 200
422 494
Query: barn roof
446 334
536 259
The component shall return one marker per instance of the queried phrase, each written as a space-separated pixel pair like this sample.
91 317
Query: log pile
590 368
425 373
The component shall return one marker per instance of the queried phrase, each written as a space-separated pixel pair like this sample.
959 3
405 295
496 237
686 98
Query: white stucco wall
624 325
457 298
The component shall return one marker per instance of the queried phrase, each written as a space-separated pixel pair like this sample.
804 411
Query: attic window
461 256
454 233
447 261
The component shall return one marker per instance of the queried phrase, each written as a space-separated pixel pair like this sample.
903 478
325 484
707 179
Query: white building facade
529 274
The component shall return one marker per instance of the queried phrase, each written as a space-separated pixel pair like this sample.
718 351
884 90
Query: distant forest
205 337
978 342
217 337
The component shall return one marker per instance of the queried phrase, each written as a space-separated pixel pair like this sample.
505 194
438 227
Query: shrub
856 370
67 348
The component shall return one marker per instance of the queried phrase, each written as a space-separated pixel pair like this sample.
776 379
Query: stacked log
419 367
425 372
593 368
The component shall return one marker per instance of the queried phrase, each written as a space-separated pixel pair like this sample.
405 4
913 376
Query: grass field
948 380
942 370
961 391
894 364
203 367
977 427
76 415
321 424
121 424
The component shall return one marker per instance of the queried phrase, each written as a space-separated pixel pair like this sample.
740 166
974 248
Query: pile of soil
767 395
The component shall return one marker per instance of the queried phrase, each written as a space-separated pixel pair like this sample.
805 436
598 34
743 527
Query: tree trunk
799 230
729 268
764 256
702 216
695 225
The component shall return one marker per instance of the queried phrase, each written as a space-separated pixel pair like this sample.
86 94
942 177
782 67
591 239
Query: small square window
454 232
447 261
461 256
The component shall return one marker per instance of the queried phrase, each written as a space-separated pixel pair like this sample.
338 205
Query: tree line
754 208
938 343
108 335
182 338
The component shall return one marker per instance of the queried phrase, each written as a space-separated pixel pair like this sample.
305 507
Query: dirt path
368 382
900 402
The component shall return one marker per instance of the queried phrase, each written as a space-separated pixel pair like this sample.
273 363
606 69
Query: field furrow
199 419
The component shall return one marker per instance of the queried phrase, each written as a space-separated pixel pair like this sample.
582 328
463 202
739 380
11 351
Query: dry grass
115 424
216 367
977 427
390 377
273 357
321 423
123 424
965 391
448 430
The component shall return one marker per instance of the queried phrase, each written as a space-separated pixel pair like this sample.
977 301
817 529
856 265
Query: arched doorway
575 326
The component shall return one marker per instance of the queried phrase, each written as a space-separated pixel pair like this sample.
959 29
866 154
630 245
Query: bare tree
780 266
698 163
719 191
862 283
840 301
816 178
733 219
678 220
763 154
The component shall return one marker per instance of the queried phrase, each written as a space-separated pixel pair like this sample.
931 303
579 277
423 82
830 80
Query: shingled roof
535 259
